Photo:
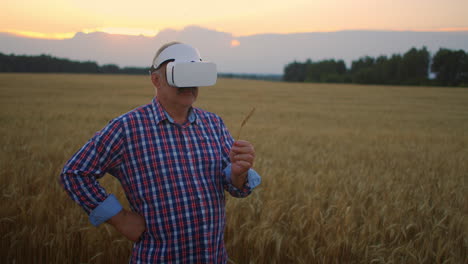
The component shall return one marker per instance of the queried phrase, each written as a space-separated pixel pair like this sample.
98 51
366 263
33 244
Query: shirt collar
161 114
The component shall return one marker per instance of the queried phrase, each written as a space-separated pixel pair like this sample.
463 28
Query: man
174 162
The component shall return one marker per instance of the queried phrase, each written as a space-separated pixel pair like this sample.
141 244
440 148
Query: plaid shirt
173 175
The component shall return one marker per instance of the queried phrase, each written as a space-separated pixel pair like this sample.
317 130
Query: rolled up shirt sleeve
105 210
253 180
79 177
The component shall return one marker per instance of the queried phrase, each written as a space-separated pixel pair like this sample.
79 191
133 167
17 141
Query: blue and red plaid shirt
173 175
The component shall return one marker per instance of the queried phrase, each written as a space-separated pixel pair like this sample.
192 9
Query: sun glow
68 35
51 19
125 31
454 29
40 35
235 43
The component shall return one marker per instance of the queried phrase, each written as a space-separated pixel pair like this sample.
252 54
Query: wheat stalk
245 121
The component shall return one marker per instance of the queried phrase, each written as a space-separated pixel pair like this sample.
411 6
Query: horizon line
154 33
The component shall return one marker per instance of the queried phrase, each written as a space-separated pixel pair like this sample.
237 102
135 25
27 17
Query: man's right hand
129 224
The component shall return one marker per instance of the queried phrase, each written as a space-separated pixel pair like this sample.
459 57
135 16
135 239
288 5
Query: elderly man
174 162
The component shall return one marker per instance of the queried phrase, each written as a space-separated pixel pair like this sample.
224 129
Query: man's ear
156 79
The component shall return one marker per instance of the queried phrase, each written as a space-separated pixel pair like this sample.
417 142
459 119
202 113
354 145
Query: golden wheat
351 174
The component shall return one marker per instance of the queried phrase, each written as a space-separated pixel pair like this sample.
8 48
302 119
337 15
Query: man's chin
187 99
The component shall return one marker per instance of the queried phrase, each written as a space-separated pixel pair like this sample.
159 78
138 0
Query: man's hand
129 224
242 157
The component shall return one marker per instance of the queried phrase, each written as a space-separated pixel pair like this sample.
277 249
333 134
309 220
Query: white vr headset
186 68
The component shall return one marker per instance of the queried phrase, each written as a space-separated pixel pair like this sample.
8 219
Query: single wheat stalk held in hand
244 122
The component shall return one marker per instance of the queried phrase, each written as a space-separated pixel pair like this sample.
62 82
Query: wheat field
351 174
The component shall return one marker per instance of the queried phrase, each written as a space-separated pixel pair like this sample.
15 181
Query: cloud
263 53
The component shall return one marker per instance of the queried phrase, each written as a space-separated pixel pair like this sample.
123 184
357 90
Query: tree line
45 63
448 67
48 64
252 76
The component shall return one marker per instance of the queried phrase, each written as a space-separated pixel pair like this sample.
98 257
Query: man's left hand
242 157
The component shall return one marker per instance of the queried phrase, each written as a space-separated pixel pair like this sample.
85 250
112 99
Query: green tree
109 68
362 70
295 72
326 71
450 67
414 67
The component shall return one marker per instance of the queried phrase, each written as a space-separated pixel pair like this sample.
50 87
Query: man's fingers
243 157
243 164
243 149
241 143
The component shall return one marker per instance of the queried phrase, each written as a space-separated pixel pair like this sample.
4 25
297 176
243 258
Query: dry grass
351 174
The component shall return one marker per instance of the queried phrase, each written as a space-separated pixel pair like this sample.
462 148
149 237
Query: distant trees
296 71
450 67
411 68
46 63
322 71
326 71
252 76
415 66
109 68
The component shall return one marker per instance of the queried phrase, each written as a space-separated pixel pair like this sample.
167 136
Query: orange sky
63 18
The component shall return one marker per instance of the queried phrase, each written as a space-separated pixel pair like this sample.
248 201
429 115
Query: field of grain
351 174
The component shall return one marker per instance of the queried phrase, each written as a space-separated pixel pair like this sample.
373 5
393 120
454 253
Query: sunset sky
63 18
